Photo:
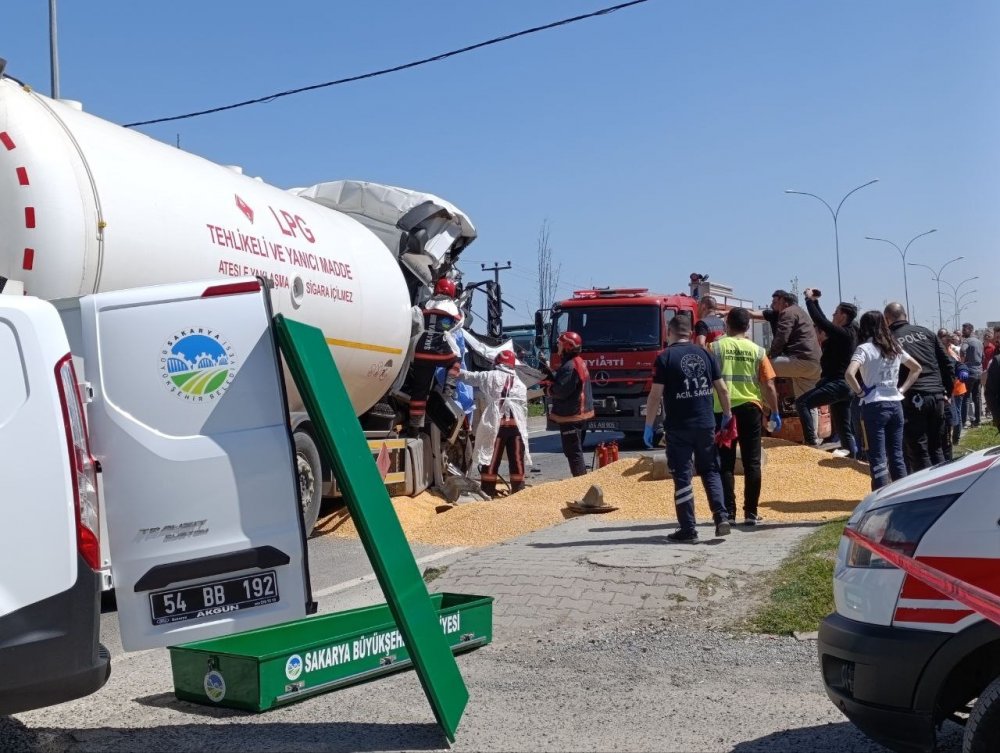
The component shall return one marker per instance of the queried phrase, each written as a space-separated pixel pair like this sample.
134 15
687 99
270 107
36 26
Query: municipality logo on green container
293 667
215 686
197 364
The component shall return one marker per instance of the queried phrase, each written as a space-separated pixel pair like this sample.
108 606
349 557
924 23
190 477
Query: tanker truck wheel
310 472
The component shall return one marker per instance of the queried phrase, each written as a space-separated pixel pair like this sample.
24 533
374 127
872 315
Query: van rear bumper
50 650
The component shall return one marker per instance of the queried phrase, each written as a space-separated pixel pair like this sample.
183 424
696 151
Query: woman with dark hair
877 361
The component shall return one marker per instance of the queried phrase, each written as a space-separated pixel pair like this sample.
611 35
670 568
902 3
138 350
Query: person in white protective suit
503 426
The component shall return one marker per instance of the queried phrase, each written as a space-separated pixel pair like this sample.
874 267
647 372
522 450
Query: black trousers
419 385
571 436
925 430
749 428
508 441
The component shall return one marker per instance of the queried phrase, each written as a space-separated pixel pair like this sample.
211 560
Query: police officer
571 401
436 347
925 405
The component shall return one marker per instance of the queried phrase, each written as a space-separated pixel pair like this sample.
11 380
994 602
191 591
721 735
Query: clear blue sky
657 141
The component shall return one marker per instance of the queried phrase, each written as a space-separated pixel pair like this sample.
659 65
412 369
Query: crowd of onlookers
976 353
899 395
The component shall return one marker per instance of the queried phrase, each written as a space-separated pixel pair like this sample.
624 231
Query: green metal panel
274 666
343 445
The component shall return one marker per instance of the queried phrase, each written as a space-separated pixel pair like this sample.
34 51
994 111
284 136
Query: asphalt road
621 681
547 456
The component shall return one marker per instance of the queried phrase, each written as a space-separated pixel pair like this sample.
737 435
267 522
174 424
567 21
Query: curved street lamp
956 288
902 253
964 306
936 275
835 214
957 302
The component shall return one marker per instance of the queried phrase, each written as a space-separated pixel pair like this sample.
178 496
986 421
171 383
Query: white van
189 447
899 658
50 595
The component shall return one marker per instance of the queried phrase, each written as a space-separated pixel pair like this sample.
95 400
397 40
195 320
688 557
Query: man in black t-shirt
684 376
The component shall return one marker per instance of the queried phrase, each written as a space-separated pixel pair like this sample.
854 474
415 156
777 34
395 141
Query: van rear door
50 595
190 423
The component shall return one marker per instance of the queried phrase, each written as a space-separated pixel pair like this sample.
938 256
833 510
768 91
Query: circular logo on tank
197 365
601 378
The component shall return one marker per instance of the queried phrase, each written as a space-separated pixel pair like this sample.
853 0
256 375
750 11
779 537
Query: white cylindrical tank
88 206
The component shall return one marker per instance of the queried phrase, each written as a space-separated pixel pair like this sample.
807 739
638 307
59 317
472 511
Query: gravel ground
660 684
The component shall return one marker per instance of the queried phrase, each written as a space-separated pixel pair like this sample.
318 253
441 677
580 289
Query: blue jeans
973 399
883 422
836 394
682 445
956 420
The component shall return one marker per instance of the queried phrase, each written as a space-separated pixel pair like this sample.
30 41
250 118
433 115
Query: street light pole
957 302
902 253
937 279
954 293
835 215
53 50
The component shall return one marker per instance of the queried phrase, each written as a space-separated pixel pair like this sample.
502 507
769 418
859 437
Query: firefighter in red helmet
503 425
571 401
436 347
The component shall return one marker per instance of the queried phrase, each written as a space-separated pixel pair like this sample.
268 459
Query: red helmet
445 286
570 341
505 358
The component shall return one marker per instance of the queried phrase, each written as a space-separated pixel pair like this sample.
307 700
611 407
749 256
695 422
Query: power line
395 68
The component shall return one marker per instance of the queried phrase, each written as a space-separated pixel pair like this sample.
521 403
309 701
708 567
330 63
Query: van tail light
83 468
899 527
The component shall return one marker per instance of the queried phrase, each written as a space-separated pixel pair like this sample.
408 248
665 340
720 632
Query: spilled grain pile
800 483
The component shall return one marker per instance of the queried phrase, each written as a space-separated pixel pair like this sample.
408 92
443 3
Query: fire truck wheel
309 468
982 731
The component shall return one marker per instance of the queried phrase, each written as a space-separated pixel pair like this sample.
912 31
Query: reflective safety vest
739 362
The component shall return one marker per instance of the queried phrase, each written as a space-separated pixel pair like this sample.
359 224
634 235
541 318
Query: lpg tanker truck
87 206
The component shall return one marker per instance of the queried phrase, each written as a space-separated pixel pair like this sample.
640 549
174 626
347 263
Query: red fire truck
623 330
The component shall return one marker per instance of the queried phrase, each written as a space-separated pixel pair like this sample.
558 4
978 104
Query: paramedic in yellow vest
749 376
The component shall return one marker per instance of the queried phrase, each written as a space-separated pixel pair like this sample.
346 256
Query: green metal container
261 669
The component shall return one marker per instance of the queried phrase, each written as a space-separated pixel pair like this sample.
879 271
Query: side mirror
539 330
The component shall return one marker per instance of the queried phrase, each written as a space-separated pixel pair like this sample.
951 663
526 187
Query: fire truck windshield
611 327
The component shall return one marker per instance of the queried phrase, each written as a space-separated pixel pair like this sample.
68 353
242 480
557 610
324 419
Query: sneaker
731 514
682 536
722 529
840 452
752 519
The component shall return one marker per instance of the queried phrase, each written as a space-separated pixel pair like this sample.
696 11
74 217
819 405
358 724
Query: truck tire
309 469
982 731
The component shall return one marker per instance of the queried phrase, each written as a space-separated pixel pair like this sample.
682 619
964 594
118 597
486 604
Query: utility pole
494 301
496 269
53 50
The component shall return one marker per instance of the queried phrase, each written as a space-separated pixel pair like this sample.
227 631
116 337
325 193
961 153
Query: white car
898 658
50 598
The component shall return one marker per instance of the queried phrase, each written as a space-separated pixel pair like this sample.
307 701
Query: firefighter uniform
435 347
571 401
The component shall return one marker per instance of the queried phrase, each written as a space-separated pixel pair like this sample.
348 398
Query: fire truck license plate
603 425
217 597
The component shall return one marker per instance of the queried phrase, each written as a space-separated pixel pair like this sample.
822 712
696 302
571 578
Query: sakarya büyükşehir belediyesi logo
197 363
